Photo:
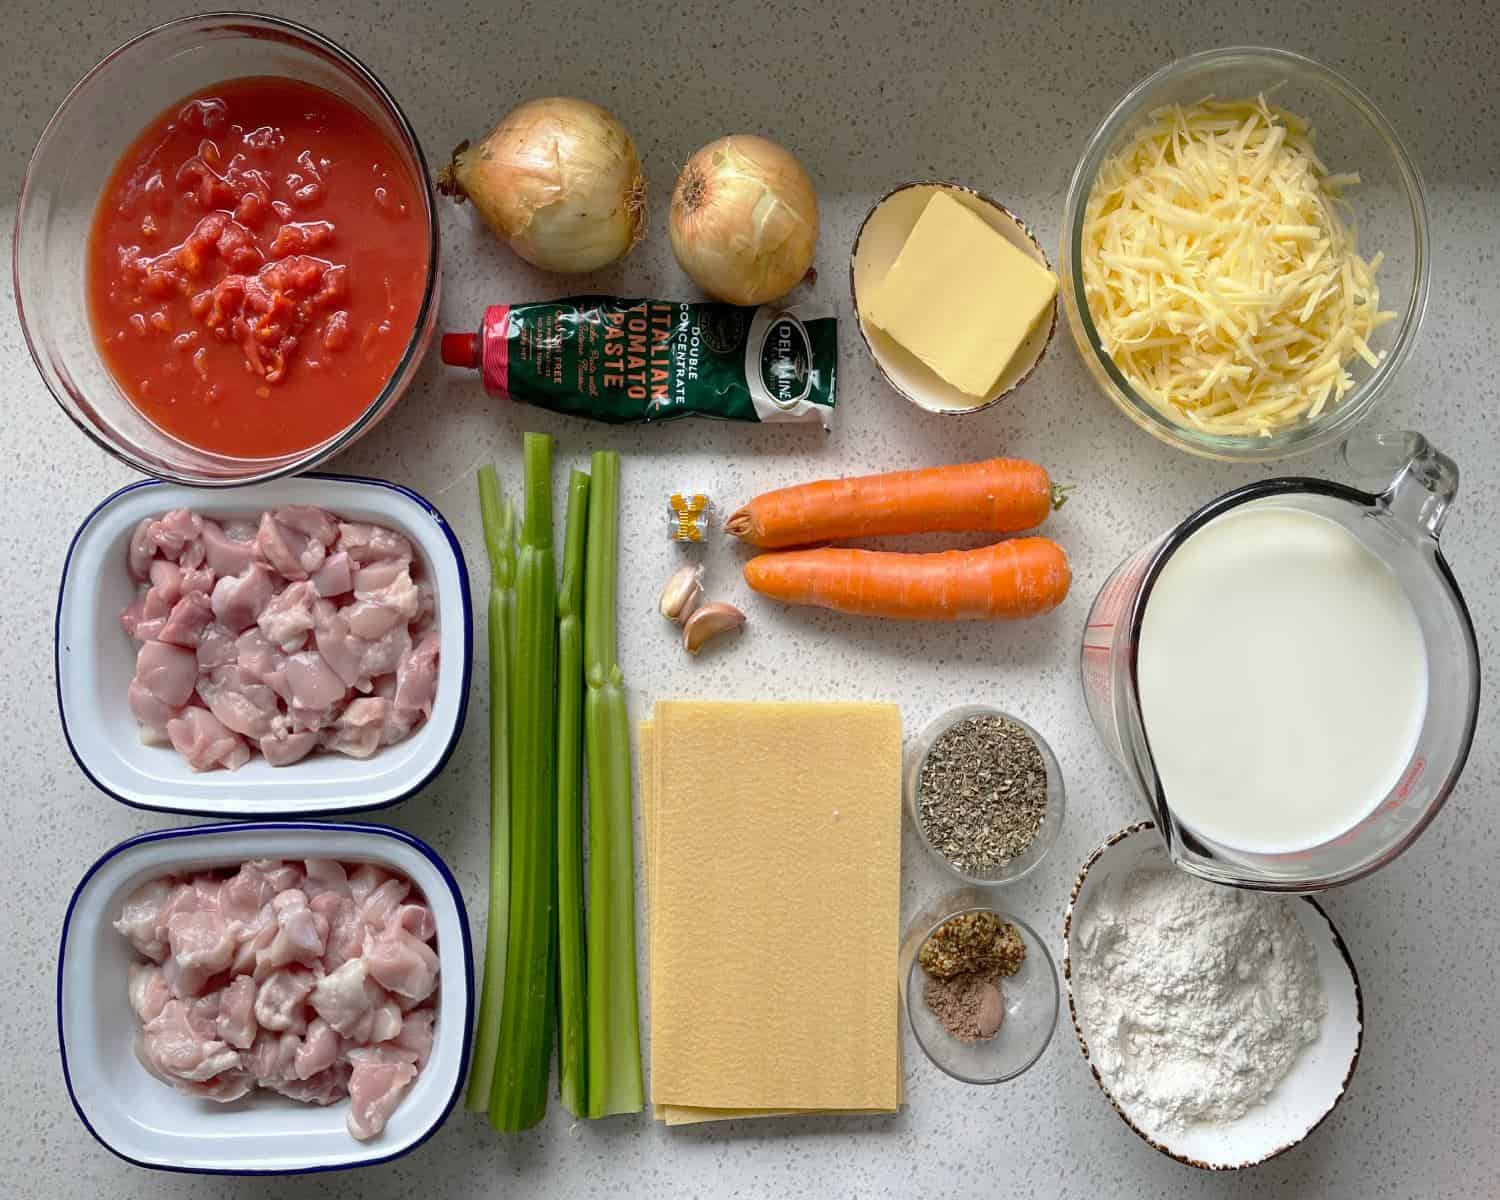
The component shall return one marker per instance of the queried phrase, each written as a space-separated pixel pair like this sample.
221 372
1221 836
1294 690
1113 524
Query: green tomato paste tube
624 361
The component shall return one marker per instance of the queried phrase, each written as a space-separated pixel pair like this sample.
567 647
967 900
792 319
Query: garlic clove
681 595
707 623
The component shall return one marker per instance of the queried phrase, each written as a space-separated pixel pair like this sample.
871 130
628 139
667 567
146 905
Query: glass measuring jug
1399 524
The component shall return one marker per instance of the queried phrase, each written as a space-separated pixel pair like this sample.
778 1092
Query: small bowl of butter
955 298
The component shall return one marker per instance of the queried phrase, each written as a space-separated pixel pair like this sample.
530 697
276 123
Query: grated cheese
1220 273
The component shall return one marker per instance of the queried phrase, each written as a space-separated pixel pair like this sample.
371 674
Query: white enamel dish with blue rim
95 660
149 1124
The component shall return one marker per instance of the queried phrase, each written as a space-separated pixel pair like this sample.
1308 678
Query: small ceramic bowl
1319 1077
1030 997
96 660
879 240
151 1125
1030 858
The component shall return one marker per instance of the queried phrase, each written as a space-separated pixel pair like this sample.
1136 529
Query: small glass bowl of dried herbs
957 958
985 793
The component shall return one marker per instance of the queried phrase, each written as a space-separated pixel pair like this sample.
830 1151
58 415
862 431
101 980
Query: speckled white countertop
998 96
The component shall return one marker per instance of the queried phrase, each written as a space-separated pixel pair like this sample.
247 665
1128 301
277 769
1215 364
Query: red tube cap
460 349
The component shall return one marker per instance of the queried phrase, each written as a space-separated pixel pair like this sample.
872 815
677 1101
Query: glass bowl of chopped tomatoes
1245 254
226 251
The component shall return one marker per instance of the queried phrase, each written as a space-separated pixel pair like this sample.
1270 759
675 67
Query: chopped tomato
267 233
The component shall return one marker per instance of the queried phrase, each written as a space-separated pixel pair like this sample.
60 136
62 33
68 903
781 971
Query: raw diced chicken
167 672
200 941
272 1057
379 905
400 963
310 520
346 932
279 1001
335 577
240 704
383 655
222 1088
172 531
364 879
202 739
375 1090
190 616
416 676
184 898
301 933
417 920
179 1050
186 983
288 618
236 1022
140 918
359 730
282 749
376 611
252 951
283 875
319 1049
326 1087
141 551
262 662
416 1034
324 875
166 581
133 615
225 553
426 608
244 894
198 579
218 1020
378 575
290 552
346 996
385 1021
369 543
149 991
150 713
206 888
239 599
216 647
221 590
313 684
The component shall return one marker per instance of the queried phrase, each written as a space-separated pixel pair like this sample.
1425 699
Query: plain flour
1195 999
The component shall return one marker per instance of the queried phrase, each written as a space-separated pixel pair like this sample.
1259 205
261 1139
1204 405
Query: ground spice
973 943
982 793
968 1006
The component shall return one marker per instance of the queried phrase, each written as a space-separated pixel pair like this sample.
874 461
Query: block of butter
960 296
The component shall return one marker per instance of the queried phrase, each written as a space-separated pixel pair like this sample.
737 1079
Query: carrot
1017 578
1000 495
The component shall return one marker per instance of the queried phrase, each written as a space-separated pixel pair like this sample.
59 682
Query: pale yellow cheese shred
1220 273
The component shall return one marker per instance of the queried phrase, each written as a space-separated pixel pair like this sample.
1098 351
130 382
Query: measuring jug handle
1416 482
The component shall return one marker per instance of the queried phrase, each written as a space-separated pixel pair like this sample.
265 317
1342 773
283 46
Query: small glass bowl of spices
985 793
981 991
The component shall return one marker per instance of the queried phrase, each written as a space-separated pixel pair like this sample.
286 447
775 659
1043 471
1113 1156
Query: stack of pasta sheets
773 863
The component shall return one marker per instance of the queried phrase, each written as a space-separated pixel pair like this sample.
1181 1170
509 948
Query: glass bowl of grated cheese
1245 254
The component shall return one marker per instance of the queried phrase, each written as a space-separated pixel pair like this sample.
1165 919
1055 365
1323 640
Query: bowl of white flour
1223 1025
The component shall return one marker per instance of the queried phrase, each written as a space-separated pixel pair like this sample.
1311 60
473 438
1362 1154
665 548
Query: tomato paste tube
626 360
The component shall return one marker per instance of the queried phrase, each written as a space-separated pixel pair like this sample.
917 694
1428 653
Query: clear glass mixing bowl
1388 204
73 160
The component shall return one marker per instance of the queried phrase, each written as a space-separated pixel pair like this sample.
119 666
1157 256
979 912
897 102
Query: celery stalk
572 1062
518 1093
499 540
614 1040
